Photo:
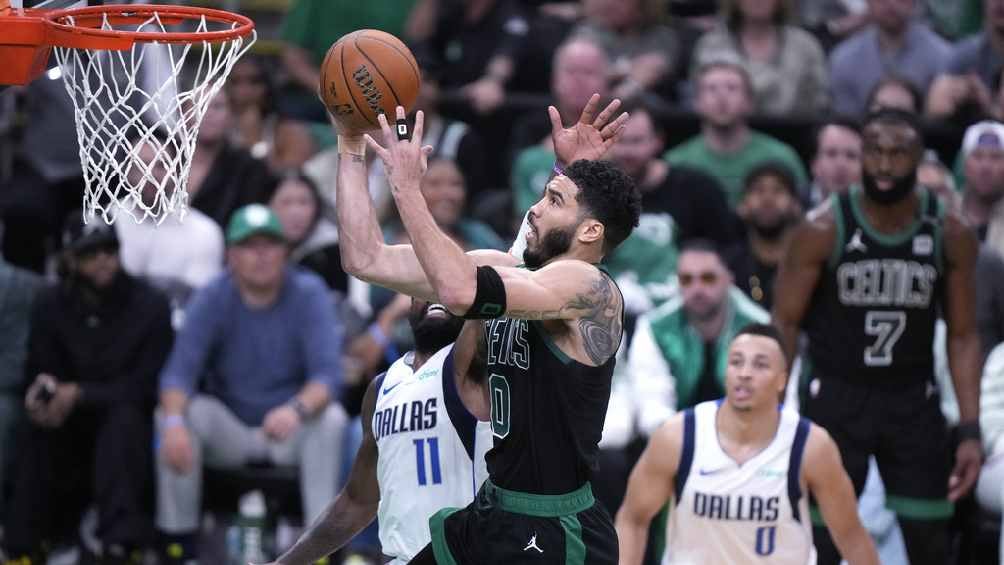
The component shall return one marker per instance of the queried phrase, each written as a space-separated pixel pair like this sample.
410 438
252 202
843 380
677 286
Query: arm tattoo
600 326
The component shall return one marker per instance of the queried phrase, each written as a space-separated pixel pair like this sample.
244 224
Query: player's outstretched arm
808 250
829 484
649 489
965 357
353 508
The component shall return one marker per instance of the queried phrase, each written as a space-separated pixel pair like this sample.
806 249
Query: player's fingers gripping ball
367 73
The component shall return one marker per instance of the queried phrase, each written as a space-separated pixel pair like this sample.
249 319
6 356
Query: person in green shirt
727 148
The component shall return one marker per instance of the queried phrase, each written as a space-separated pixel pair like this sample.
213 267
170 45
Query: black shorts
903 427
504 527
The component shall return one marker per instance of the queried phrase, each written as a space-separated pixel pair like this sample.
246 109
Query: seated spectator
954 19
990 486
480 45
770 209
786 64
312 26
312 237
678 354
251 379
18 288
580 69
223 177
897 93
678 204
258 128
837 163
98 340
895 42
643 51
177 255
831 21
983 193
935 176
727 149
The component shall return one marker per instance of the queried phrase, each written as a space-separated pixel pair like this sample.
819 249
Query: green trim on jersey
919 508
897 238
541 505
939 229
549 342
439 546
816 516
838 219
575 548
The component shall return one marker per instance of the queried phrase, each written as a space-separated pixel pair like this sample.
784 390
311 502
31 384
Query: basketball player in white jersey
740 471
421 449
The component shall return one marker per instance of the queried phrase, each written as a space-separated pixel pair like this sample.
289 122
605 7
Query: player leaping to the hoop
549 333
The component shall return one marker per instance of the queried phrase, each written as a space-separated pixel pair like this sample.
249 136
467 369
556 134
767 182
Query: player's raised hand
404 157
589 138
968 462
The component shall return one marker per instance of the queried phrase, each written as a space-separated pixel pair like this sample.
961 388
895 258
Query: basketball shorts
903 427
504 527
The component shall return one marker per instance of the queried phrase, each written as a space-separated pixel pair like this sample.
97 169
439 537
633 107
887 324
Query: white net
137 122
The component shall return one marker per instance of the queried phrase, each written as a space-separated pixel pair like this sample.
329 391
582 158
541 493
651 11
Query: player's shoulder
820 449
670 433
817 232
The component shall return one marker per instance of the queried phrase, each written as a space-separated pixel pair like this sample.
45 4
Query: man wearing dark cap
97 342
265 336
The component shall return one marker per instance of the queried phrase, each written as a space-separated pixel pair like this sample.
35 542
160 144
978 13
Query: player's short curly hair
609 195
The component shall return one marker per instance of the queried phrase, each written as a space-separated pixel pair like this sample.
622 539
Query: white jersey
431 451
729 513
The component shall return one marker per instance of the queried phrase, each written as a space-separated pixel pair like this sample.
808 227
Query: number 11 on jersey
433 443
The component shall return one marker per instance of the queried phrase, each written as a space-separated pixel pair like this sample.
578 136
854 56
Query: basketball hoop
137 119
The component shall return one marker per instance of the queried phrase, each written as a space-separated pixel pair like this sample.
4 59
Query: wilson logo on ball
369 90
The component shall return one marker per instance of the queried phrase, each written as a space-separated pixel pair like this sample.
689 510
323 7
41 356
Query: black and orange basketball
365 73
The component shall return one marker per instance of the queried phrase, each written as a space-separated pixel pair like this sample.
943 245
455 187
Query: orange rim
85 30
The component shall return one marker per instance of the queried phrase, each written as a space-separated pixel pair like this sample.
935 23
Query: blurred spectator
475 48
837 163
581 68
894 42
678 354
832 20
643 51
266 339
97 341
177 255
954 19
18 288
990 488
770 209
983 154
47 181
935 176
312 237
223 177
897 93
312 26
990 298
258 127
786 64
678 204
727 149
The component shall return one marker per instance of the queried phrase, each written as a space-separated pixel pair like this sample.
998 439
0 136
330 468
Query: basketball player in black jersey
867 275
548 343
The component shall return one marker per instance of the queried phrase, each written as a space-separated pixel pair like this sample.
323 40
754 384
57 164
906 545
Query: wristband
558 169
378 336
173 421
300 408
351 145
969 430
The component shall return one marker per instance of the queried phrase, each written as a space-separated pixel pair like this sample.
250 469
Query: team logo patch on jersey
923 244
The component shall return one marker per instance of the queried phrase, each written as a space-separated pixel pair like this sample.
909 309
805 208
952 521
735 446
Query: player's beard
433 334
901 188
556 242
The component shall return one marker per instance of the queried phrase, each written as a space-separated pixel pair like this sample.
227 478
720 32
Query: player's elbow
457 297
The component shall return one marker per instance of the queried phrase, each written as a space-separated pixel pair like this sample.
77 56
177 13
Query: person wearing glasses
679 351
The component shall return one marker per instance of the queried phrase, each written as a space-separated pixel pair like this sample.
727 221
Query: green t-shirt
315 24
731 169
529 175
648 256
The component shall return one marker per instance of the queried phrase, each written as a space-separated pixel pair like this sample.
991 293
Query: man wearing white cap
983 150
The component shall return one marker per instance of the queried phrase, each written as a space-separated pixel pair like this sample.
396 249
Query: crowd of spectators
233 337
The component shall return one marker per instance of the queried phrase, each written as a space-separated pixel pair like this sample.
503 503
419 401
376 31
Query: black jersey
547 410
875 307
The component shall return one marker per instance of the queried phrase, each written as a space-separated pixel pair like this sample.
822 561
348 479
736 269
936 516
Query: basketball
365 73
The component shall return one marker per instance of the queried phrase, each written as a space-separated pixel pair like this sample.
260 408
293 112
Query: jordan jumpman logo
533 544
